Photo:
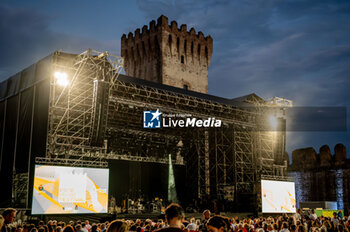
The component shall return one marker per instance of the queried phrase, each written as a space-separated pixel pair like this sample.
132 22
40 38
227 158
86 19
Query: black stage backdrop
149 180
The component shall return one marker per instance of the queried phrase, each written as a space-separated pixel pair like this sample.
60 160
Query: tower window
182 60
185 87
169 40
178 44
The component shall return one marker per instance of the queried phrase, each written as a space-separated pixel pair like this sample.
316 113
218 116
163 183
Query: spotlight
61 78
273 122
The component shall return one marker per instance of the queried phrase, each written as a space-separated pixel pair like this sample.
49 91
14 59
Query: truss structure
237 154
72 109
71 162
20 189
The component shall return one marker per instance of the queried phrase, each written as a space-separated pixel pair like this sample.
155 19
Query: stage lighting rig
61 78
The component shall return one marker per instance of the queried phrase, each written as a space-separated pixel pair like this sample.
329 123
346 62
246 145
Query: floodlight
273 122
61 78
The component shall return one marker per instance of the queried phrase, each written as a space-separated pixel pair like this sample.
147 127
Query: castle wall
169 55
321 177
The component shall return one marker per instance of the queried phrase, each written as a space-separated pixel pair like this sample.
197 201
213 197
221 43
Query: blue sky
299 50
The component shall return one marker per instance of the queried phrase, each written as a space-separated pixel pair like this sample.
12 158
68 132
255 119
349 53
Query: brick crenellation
168 54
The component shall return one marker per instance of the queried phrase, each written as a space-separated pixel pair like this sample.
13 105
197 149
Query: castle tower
168 55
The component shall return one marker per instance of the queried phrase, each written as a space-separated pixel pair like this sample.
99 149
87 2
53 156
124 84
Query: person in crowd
335 220
118 226
19 228
174 215
313 215
1 222
79 228
206 216
218 224
340 214
94 228
83 227
298 215
9 216
133 228
192 227
292 228
139 229
284 227
103 227
87 225
68 228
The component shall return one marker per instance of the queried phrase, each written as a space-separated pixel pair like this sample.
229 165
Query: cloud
26 37
299 50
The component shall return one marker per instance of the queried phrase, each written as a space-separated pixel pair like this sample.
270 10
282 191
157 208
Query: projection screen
70 190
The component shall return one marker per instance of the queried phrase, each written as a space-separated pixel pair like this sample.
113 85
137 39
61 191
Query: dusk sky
299 50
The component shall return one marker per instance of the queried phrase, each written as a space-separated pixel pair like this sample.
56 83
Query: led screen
278 196
69 190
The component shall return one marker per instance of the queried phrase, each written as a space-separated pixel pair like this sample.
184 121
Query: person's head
284 225
133 227
78 227
86 222
174 214
147 228
312 211
94 227
19 228
340 228
2 220
118 226
269 227
301 228
292 227
68 228
218 224
206 214
9 215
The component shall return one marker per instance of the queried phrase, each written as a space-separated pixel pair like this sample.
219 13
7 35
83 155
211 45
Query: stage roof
38 72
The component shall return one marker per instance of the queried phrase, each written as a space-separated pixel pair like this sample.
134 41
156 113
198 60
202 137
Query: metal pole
30 145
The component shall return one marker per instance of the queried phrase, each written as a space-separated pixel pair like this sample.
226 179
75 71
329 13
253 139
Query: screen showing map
69 190
278 196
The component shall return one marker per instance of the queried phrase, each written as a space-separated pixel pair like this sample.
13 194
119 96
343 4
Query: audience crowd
175 221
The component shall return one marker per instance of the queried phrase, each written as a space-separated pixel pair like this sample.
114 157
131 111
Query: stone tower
168 55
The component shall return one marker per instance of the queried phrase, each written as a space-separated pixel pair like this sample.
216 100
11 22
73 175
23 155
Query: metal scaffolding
237 154
73 107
